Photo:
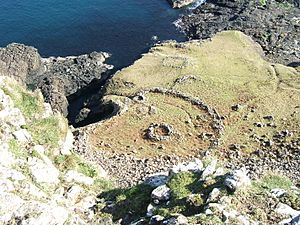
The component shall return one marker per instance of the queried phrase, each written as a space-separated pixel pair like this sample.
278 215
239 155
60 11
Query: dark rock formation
18 61
52 89
273 24
58 78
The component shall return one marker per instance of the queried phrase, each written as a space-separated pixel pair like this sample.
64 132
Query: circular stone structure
159 132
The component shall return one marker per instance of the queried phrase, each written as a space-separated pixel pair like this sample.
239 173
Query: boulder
22 135
296 220
161 193
42 172
73 175
237 179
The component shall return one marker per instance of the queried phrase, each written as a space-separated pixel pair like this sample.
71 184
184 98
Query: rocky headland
61 79
273 24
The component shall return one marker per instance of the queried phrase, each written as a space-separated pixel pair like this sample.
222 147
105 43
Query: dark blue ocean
72 27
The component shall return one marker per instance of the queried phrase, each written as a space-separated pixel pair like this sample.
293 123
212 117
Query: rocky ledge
60 79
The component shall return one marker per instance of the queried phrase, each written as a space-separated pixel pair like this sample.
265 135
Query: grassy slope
228 70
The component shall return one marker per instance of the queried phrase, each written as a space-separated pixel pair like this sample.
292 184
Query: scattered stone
150 210
213 196
22 135
209 170
161 193
42 172
286 210
236 107
193 166
237 179
73 193
178 220
157 179
269 117
277 192
180 3
155 220
73 175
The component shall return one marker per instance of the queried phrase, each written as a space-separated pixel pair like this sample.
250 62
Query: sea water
124 28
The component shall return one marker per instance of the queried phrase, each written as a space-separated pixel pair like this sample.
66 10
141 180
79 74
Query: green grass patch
16 149
87 170
46 131
132 200
27 102
183 184
271 181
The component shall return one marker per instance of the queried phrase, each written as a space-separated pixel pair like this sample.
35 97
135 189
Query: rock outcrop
273 24
60 79
39 184
19 61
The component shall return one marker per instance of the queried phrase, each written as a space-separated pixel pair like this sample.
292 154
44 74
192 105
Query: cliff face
59 78
42 180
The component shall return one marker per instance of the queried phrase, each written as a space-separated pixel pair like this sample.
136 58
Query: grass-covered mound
241 96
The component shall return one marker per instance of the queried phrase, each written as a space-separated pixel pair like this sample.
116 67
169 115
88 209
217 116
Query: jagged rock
178 220
42 172
237 179
17 61
161 193
22 135
150 210
9 203
6 186
155 220
7 158
31 189
73 193
73 175
286 210
253 19
58 77
180 3
33 212
194 166
68 144
15 175
47 110
296 220
53 89
277 192
157 179
209 170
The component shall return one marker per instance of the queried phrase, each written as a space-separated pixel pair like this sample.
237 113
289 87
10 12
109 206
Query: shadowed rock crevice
61 79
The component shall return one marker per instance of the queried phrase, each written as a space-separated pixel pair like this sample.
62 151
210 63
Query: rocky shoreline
61 79
275 25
